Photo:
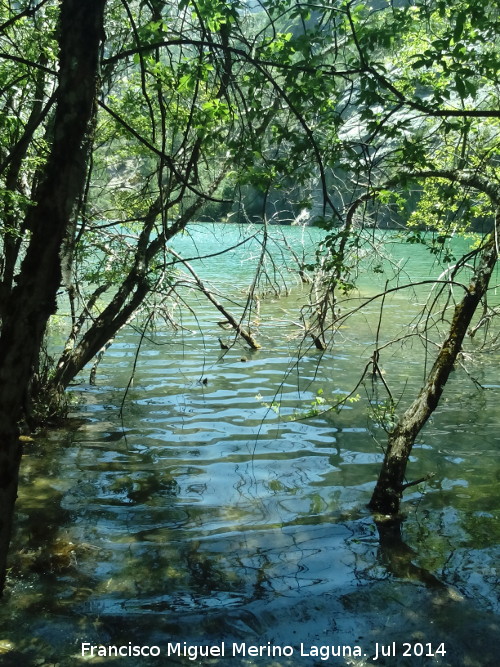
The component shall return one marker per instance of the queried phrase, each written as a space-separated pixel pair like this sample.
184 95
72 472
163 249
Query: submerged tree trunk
386 497
399 558
29 305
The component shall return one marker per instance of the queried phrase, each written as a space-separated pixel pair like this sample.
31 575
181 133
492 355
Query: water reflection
124 539
202 514
397 557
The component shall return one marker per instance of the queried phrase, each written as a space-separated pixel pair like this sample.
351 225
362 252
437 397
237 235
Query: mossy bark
388 491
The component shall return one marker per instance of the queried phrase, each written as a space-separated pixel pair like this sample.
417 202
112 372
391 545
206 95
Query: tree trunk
386 497
129 296
13 235
33 299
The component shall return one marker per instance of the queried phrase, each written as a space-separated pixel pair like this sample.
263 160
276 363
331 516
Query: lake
199 511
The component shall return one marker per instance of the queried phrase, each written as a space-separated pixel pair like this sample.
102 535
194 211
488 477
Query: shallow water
203 515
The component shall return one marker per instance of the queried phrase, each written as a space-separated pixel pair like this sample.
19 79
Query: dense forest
123 124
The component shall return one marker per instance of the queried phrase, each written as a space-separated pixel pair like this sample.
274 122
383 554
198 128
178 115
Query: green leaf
459 26
460 86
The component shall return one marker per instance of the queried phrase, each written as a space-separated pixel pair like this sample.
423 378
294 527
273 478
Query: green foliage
274 406
334 108
320 406
383 414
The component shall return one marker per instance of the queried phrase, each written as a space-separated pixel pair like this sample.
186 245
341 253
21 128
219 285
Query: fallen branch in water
246 335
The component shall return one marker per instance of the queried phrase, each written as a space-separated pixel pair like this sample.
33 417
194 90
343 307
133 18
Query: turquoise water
209 512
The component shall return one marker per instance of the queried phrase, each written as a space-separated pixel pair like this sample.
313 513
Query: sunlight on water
210 511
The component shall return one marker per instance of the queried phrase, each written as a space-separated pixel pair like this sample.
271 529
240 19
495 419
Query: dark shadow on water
199 589
398 557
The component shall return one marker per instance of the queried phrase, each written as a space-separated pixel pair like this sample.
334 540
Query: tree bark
33 299
387 495
12 237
